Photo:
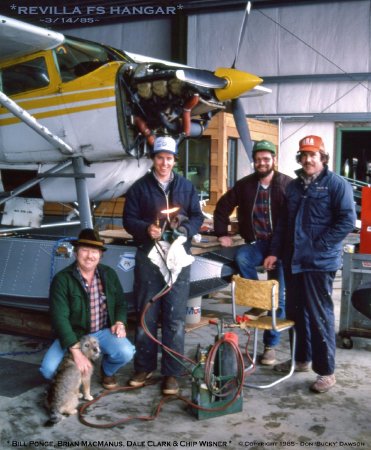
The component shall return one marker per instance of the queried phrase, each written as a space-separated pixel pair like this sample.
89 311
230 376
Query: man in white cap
320 213
158 190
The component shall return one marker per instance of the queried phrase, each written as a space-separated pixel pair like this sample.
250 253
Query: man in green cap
259 198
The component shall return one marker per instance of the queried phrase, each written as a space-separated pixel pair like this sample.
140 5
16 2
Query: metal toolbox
356 272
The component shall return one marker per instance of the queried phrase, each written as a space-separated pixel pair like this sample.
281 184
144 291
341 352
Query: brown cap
311 144
89 238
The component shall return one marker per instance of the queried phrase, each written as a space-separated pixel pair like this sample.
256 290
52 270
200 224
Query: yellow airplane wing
19 38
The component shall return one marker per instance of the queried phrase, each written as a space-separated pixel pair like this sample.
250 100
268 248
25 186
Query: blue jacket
310 236
145 200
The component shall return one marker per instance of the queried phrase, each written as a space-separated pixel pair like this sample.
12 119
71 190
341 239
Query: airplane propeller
239 116
237 105
213 81
201 78
242 32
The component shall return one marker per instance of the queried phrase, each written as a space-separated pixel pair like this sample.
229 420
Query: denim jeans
116 353
169 310
247 258
309 303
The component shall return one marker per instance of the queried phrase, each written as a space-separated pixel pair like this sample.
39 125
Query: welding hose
230 339
143 324
208 375
210 363
149 417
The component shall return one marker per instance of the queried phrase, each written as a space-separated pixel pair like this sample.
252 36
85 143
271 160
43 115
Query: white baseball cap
165 144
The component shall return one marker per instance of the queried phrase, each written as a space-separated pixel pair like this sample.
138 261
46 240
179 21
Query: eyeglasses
265 160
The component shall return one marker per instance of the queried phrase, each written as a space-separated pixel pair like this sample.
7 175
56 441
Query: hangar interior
315 57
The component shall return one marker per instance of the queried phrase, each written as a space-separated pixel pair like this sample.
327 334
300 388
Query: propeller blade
242 32
201 78
242 128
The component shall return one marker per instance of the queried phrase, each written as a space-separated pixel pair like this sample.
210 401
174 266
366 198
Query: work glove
177 225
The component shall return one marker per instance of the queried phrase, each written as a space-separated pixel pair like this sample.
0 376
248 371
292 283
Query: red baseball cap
311 144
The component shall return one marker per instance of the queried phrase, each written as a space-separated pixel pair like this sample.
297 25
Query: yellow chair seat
265 323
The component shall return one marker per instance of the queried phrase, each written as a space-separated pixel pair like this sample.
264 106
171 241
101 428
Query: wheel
347 343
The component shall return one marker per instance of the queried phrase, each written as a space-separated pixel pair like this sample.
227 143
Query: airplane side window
78 58
25 76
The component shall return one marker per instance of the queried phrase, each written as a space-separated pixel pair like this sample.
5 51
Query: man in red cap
319 214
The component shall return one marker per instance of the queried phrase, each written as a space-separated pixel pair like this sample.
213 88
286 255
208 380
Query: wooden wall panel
221 128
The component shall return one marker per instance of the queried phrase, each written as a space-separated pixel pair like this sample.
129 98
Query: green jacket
70 304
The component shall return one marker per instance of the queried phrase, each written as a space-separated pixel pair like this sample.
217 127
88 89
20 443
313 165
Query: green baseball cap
264 145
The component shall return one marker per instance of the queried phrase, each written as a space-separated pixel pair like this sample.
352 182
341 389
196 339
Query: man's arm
60 311
344 216
132 218
190 223
223 210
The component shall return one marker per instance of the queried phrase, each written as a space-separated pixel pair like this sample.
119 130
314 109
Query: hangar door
354 153
353 158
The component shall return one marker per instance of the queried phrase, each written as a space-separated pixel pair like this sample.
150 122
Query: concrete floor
285 416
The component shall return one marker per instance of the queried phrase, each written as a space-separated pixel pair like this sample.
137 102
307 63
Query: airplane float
71 109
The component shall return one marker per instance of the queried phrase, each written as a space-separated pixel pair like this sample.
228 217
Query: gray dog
64 393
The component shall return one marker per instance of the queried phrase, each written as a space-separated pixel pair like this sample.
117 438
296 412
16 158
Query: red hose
187 109
143 128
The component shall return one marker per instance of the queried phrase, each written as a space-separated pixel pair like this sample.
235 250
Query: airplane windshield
77 58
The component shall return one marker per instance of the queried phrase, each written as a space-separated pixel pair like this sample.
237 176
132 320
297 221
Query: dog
64 393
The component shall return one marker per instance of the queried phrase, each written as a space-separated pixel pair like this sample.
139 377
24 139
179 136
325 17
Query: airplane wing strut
29 120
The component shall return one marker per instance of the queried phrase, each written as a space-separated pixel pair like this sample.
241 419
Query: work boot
255 313
323 384
170 386
139 379
109 382
268 357
285 366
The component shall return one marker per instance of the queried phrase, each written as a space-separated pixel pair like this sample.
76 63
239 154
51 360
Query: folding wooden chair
262 294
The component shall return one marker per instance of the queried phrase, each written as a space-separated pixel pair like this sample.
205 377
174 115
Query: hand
81 361
119 329
225 241
270 262
177 221
154 231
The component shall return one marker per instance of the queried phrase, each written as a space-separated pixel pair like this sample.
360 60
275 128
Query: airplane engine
158 101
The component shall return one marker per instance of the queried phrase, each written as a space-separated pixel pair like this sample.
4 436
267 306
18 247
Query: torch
168 213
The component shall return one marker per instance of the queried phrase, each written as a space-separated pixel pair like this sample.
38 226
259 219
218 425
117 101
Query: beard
264 173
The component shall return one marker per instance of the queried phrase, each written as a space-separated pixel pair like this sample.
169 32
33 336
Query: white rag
170 258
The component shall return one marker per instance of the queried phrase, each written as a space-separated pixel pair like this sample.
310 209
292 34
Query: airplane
72 109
